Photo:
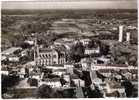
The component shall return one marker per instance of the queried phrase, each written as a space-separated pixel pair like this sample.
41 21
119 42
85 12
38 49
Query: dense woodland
15 23
18 23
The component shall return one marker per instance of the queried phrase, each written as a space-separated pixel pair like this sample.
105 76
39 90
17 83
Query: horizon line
74 9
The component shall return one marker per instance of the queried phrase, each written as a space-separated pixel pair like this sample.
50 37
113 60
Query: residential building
109 66
85 41
89 51
103 60
86 63
59 72
10 51
54 82
13 58
69 68
77 81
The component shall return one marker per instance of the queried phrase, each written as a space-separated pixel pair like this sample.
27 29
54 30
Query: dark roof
52 80
74 76
134 71
45 50
105 70
114 65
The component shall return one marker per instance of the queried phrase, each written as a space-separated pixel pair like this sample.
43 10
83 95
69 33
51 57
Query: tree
8 81
45 91
62 81
76 52
86 77
95 93
33 82
104 49
128 88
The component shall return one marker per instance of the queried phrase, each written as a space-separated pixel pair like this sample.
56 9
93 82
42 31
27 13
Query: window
46 56
49 56
54 56
43 56
54 62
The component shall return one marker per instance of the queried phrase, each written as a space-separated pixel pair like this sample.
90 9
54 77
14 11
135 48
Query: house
3 58
54 82
4 72
86 66
89 51
30 42
85 41
13 58
22 73
77 81
69 67
86 63
35 75
10 51
24 53
59 72
67 78
103 60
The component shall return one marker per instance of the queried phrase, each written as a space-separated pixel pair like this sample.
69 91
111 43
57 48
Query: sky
70 4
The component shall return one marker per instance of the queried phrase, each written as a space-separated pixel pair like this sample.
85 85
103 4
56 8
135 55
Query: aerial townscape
69 54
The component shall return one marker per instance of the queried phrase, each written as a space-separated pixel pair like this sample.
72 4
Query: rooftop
45 50
51 80
10 50
112 65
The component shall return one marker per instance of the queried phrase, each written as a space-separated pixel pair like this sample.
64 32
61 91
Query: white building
87 62
54 83
105 66
69 68
22 72
13 58
86 66
29 42
4 72
103 60
89 51
24 53
85 41
78 82
59 72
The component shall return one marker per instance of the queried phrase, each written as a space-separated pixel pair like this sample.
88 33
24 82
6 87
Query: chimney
120 33
128 36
